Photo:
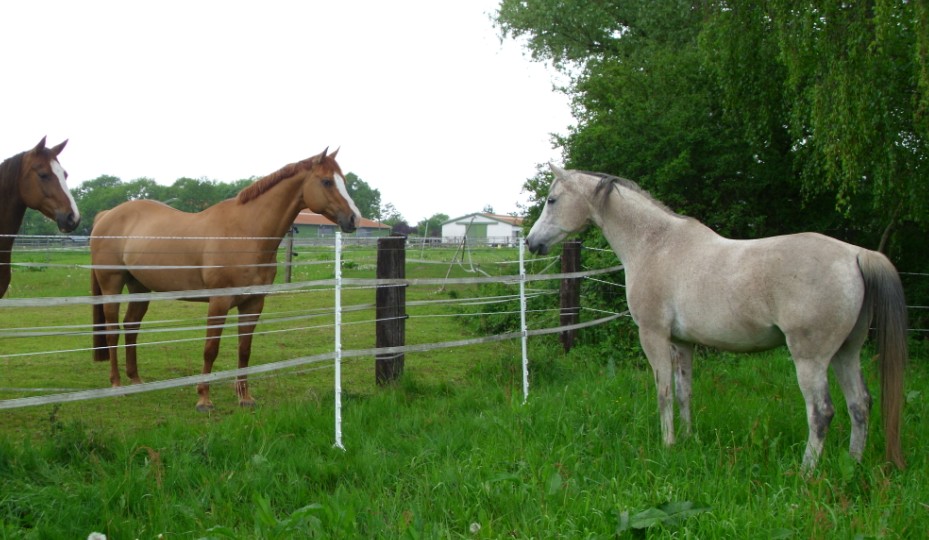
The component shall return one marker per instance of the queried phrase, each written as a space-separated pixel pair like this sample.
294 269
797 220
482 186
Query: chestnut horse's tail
101 352
884 297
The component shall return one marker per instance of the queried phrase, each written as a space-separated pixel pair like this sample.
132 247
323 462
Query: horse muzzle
348 224
537 247
67 221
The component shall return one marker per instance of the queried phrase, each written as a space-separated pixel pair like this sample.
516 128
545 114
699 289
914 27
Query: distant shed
483 228
313 225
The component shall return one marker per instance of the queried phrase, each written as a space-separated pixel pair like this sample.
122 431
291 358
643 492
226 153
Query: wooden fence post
570 291
390 310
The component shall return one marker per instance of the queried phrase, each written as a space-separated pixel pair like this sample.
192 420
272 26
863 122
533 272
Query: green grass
450 452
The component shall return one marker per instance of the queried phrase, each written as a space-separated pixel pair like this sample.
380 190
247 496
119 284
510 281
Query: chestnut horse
687 285
233 243
36 180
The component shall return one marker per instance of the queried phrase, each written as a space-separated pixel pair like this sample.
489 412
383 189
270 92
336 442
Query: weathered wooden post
390 310
570 291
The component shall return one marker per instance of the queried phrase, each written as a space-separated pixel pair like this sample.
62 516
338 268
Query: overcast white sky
425 102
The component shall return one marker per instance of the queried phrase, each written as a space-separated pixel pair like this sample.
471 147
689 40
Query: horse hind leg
847 366
812 375
111 329
132 322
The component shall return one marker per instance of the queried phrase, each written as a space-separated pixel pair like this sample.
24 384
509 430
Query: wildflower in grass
96 536
475 528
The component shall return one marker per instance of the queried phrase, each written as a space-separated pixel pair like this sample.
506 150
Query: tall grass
453 452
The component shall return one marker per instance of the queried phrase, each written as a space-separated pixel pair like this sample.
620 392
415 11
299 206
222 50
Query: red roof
306 217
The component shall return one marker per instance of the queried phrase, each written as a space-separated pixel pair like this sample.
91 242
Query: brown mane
9 174
262 185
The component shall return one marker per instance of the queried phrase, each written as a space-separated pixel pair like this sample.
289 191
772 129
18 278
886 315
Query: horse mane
262 185
9 173
608 181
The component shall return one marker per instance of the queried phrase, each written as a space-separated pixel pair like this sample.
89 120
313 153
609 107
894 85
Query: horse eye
44 175
551 200
328 182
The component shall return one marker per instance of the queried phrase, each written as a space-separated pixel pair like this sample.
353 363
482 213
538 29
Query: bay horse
687 285
33 179
233 243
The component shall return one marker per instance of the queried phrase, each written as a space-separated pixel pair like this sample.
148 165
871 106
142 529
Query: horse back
745 295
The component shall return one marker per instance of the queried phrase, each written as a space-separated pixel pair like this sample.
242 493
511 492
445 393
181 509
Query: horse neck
14 209
272 213
633 224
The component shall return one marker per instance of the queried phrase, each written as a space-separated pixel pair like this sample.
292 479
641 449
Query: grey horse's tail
884 297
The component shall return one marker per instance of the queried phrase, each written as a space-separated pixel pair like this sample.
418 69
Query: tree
647 109
94 196
756 118
367 199
431 226
848 82
192 195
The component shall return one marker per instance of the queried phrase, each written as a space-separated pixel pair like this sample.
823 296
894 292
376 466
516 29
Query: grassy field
450 452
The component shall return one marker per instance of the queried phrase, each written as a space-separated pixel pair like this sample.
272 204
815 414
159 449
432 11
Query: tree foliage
758 118
367 199
848 80
431 226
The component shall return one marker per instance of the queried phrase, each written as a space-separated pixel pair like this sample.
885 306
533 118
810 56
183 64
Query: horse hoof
204 408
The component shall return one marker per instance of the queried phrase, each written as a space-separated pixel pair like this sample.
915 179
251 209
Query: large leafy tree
431 226
847 83
367 199
758 118
647 109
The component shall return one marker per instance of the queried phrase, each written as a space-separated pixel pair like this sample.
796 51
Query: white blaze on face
60 174
343 190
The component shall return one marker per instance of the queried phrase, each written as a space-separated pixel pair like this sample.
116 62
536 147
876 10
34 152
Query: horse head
566 211
43 186
325 192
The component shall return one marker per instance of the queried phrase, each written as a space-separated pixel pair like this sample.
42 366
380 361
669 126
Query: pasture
450 452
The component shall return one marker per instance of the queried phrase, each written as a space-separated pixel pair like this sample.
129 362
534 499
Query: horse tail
884 298
101 352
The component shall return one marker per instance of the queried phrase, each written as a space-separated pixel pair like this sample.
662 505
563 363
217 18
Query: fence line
285 364
337 355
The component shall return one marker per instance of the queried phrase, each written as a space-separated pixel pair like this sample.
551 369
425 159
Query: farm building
484 228
313 225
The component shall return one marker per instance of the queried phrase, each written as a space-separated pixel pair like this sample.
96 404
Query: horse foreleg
111 316
248 319
657 349
216 318
131 324
814 384
682 358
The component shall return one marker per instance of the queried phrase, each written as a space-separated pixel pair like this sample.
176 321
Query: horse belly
735 335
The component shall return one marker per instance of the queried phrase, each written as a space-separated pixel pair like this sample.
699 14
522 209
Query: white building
483 228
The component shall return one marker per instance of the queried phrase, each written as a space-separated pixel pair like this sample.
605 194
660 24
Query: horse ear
334 154
57 149
41 145
557 171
